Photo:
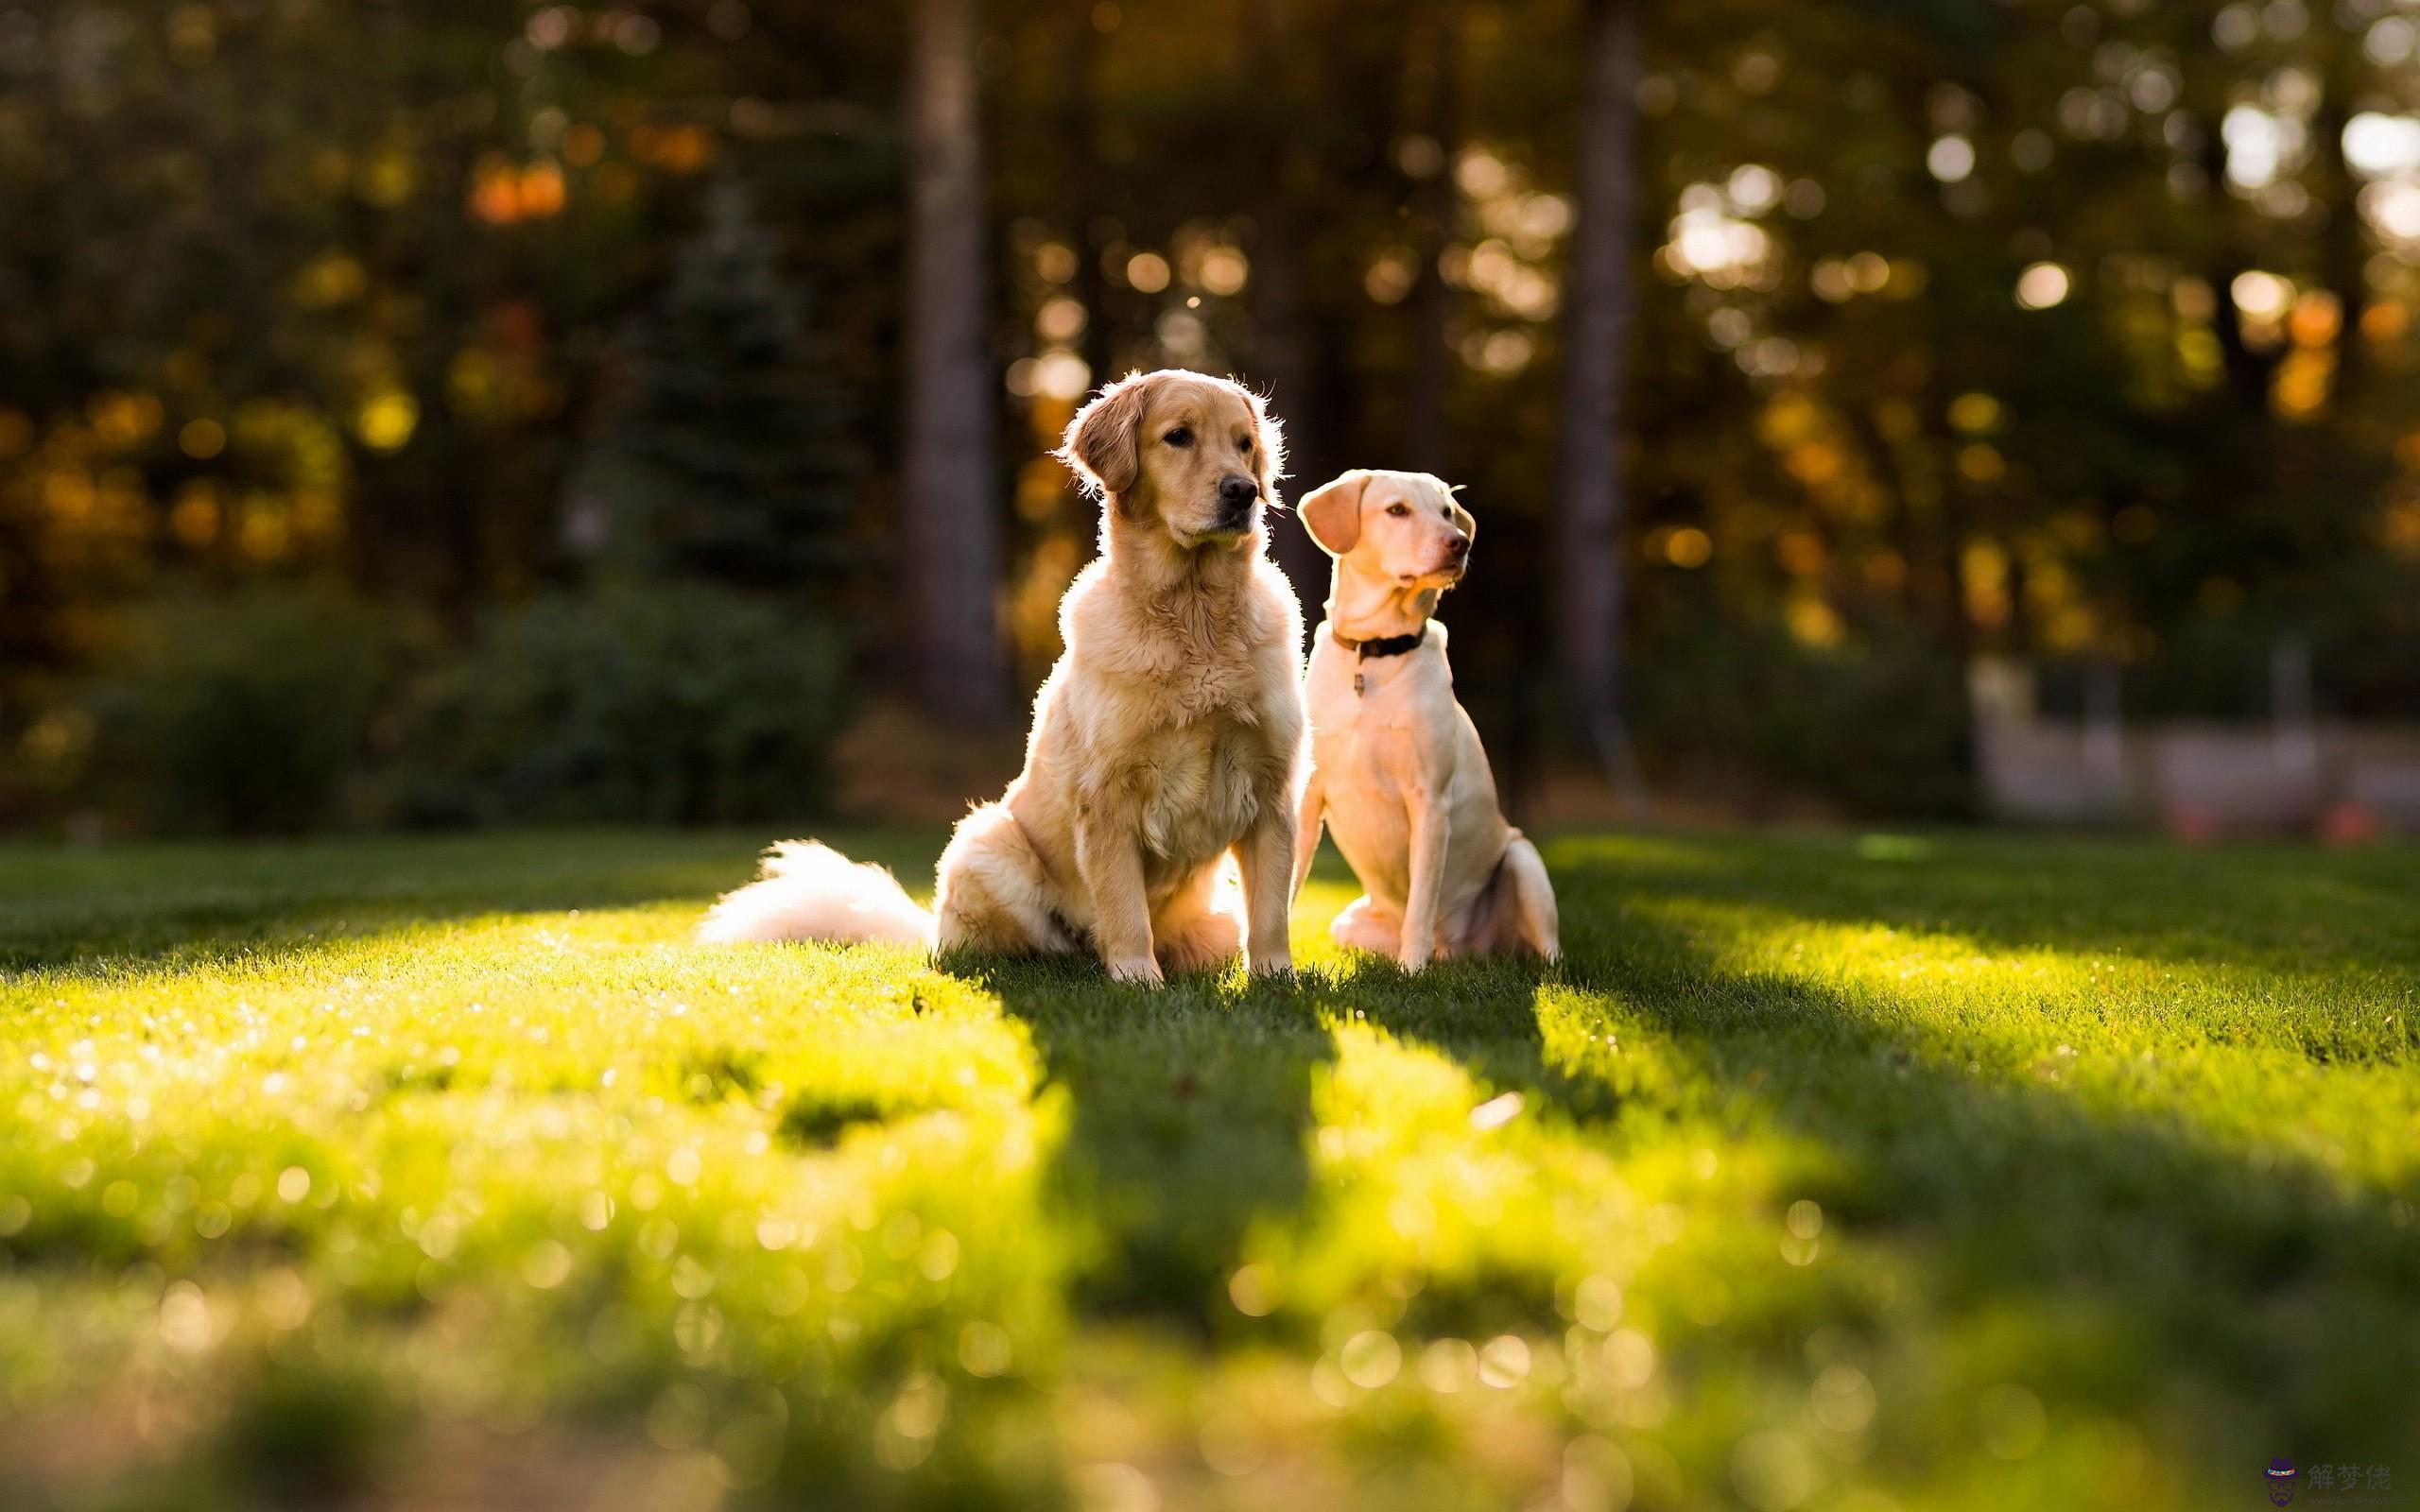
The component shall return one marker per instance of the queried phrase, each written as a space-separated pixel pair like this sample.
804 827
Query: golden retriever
1169 737
1397 771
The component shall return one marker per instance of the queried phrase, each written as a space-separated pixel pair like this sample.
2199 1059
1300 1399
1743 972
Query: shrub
680 704
1876 724
309 1434
238 713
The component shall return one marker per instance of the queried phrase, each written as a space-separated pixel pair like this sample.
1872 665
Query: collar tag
1383 645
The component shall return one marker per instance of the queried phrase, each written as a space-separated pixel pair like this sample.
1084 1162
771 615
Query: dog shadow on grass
2144 1254
2137 1253
1191 1118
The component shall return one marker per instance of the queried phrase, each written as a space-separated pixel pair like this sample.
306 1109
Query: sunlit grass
1825 1173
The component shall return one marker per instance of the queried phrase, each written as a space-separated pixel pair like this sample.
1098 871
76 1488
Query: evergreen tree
725 455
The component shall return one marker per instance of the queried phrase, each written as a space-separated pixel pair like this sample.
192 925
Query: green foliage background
459 303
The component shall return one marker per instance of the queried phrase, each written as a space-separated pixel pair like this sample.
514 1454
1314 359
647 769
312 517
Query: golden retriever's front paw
1413 959
1138 971
1275 968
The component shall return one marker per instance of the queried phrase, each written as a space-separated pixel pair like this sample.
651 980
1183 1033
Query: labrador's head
1405 528
1199 455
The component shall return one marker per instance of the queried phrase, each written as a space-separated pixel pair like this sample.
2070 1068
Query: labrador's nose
1457 545
1237 491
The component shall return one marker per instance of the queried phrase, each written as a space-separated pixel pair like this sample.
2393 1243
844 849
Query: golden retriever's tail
810 891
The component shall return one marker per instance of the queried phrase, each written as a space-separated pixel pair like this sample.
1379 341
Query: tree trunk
2345 241
1079 130
1591 571
1425 448
951 528
1283 360
2249 372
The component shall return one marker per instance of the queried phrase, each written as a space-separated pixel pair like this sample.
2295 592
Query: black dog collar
1383 645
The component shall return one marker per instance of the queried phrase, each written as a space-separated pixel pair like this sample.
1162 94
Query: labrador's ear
1104 442
1332 512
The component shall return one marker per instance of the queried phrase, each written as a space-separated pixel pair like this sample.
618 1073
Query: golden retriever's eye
1243 444
1181 435
1398 508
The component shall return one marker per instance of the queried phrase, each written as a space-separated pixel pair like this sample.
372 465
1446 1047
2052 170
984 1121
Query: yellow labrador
1397 771
1169 737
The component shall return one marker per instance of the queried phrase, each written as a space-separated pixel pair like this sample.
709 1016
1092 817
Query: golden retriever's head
1405 528
1199 455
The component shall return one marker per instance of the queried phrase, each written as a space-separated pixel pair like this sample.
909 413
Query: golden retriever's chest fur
1189 656
1193 722
1197 789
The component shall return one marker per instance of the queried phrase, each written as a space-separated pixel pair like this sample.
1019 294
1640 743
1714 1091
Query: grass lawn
1870 1174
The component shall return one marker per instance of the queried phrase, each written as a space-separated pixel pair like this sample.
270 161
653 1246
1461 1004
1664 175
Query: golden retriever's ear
1462 518
1272 444
1332 512
1104 442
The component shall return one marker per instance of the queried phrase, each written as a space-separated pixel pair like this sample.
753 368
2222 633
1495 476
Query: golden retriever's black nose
1457 545
1236 495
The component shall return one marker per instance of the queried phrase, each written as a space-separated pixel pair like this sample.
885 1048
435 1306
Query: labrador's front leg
1110 859
1266 856
1426 879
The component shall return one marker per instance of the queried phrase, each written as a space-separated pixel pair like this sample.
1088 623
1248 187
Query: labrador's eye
1398 508
1181 435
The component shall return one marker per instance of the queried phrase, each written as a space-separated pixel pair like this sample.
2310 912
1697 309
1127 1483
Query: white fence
2294 775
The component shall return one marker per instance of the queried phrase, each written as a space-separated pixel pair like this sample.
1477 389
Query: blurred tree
725 455
1591 565
1427 153
2081 332
1285 338
951 527
1079 59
